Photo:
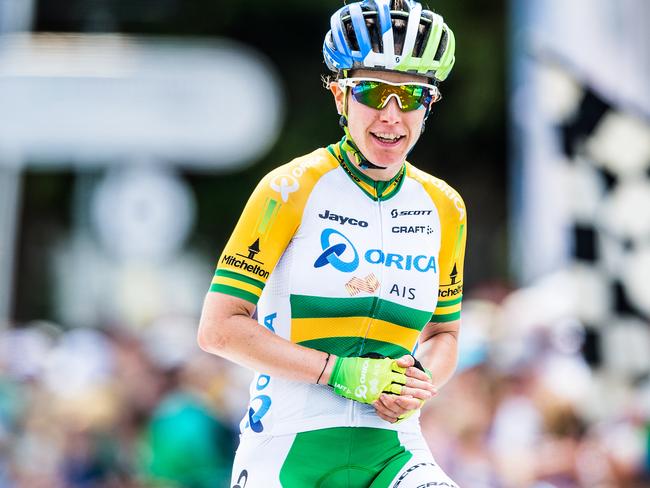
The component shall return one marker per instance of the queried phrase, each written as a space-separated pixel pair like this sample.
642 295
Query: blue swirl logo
263 404
332 253
255 415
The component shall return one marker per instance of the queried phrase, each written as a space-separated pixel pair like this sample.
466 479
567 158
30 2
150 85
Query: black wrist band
327 360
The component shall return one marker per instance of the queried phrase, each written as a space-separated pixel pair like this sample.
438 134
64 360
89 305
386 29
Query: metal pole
15 16
10 198
519 14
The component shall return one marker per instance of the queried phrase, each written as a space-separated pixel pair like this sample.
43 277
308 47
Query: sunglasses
376 94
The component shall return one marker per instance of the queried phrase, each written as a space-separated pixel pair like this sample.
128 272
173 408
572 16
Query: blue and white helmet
427 46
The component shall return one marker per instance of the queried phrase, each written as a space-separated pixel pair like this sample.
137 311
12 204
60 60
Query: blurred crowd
115 407
512 428
110 408
530 407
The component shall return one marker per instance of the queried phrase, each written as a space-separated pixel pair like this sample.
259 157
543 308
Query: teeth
387 136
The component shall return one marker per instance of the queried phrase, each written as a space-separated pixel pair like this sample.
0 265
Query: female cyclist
350 259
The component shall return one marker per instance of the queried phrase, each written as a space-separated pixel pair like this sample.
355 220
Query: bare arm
227 329
439 341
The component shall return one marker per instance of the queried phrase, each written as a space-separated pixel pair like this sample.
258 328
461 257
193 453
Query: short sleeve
261 235
268 223
451 259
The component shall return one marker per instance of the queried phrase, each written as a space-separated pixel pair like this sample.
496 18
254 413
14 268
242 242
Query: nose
391 113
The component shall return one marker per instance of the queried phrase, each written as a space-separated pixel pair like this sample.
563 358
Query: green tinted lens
375 94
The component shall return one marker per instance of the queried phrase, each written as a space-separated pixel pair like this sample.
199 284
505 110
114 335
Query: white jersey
340 263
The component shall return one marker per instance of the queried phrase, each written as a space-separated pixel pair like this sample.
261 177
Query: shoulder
301 174
443 194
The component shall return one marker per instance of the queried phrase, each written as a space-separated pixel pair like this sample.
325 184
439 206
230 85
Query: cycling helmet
363 35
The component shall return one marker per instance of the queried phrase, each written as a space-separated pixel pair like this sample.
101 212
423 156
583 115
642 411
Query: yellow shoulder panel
453 228
267 224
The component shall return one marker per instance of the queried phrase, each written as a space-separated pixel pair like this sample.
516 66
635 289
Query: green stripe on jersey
402 315
235 292
311 307
355 346
447 317
449 303
236 276
268 214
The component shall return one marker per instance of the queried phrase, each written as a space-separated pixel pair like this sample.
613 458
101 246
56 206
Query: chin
385 156
387 159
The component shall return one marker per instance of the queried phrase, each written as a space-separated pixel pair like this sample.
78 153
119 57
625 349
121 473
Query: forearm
241 339
439 354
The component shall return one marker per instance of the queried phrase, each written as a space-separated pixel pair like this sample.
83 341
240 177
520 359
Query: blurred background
131 135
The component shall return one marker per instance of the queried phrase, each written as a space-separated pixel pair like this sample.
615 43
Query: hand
417 389
364 379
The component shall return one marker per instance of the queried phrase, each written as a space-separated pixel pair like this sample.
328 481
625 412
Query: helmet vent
424 29
442 46
350 34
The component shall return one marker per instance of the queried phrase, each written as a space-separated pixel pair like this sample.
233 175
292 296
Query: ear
339 94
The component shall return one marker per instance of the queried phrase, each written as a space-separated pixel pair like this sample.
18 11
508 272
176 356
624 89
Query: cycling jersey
341 263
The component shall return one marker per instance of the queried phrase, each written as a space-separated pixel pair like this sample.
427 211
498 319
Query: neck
386 174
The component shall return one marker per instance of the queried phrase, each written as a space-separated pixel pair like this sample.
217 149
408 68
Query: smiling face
383 136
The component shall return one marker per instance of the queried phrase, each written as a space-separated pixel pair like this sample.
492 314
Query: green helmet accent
428 62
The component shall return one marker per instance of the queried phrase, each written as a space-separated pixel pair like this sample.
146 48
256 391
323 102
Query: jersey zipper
354 413
375 299
375 302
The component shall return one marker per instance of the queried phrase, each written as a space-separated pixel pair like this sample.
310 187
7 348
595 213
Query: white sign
98 99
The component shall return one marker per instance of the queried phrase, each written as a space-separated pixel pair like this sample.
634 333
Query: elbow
202 340
210 339
220 326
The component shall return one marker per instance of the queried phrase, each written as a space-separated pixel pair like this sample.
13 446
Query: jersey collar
377 190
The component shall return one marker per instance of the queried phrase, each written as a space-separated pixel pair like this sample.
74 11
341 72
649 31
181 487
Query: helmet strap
424 121
348 143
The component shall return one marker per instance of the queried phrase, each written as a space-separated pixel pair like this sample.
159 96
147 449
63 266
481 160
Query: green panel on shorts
343 457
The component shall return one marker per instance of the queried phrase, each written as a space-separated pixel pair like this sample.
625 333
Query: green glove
365 379
411 412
